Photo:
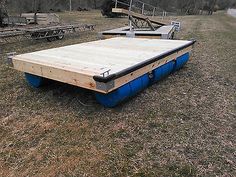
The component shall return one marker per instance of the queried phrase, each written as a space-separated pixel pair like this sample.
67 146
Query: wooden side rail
137 15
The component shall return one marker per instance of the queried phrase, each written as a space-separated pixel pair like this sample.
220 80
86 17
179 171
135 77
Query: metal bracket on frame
105 86
9 58
106 73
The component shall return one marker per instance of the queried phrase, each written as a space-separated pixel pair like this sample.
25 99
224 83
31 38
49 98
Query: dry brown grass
182 126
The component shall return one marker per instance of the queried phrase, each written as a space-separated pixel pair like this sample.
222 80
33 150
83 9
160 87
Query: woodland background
168 5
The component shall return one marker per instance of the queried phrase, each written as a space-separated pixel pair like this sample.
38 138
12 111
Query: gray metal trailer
50 33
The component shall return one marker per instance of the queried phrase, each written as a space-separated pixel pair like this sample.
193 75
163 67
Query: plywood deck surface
94 58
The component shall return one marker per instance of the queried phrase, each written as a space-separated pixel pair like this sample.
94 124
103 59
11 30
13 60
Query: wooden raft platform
104 65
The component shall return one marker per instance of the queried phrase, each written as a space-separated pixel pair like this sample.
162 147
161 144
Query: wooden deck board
137 15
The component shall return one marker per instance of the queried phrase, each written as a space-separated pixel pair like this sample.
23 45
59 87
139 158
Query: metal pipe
143 8
70 6
153 13
130 5
130 9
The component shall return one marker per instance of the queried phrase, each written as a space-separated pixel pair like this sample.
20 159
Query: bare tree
183 6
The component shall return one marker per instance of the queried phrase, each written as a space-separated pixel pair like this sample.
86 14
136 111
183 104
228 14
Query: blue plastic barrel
162 71
181 61
124 92
35 81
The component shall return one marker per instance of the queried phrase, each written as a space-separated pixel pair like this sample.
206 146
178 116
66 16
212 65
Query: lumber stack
41 18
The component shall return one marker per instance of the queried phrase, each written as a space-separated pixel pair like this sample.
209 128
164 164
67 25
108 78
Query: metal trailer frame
50 33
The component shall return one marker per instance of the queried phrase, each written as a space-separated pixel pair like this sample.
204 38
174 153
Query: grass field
183 126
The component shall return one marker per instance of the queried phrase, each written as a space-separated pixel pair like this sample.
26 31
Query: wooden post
143 8
150 24
130 9
70 6
130 5
34 6
153 13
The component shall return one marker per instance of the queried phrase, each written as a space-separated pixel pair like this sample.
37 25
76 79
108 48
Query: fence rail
141 7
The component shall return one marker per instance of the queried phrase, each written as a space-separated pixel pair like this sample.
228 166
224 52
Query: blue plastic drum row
128 90
132 88
35 81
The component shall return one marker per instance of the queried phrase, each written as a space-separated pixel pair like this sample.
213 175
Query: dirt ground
183 126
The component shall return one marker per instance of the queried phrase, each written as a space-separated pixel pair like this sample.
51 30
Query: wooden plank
137 15
41 18
108 36
57 74
129 77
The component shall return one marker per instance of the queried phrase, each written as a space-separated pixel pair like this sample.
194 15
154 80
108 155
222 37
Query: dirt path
211 94
182 126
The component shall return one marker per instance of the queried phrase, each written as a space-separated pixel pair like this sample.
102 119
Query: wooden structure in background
141 25
135 15
41 18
